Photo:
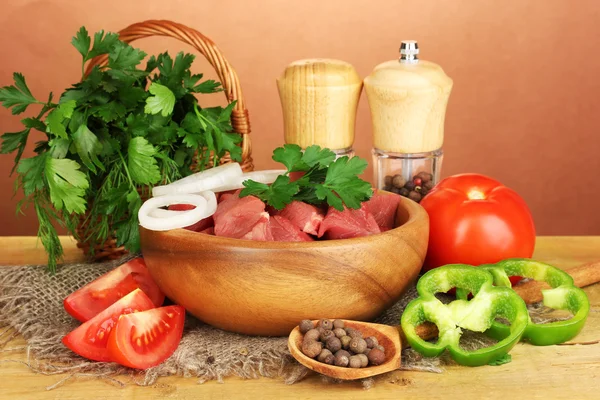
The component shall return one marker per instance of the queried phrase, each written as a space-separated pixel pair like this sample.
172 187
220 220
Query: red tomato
89 340
97 295
476 220
145 339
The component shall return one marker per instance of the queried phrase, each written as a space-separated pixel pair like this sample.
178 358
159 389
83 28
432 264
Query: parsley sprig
325 179
114 134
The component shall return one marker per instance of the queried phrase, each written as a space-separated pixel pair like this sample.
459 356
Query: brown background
524 108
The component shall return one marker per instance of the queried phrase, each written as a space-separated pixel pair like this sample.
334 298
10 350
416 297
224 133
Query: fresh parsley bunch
324 179
117 132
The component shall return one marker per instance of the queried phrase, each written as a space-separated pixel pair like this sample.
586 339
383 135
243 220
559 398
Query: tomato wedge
89 340
97 295
145 339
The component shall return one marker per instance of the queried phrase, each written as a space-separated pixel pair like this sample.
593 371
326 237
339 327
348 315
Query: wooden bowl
267 288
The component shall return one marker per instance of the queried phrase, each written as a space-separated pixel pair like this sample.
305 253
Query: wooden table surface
552 372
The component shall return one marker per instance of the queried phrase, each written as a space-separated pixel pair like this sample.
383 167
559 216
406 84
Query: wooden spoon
390 337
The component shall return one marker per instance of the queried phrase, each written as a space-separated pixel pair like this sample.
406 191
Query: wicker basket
231 86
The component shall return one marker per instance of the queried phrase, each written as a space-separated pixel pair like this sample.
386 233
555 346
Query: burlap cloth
31 305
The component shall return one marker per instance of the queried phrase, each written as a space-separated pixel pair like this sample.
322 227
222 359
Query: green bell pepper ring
564 295
488 303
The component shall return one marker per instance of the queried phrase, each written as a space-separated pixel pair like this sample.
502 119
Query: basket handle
240 120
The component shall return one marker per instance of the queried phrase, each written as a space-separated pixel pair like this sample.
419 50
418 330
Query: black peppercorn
397 191
410 185
388 188
388 180
403 192
428 185
424 176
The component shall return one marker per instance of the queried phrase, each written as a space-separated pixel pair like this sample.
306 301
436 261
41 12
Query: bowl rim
415 211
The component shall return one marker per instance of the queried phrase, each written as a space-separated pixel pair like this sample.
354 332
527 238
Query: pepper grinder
408 99
319 98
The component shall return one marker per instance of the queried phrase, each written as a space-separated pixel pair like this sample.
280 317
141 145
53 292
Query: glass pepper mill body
408 99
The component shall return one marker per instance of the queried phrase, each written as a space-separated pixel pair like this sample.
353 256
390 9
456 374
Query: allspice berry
358 345
312 348
312 334
326 324
345 341
353 333
376 357
371 342
398 181
338 324
334 344
324 353
342 353
388 180
339 332
363 359
326 335
414 196
330 359
355 362
380 347
342 360
306 325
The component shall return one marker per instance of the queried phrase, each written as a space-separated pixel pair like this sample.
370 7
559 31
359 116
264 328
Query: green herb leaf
81 41
17 96
66 184
59 147
315 155
55 119
103 44
278 195
324 193
162 100
109 111
289 155
32 173
88 147
141 162
124 57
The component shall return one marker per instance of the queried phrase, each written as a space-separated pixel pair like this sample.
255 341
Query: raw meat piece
261 231
236 217
348 223
284 231
305 216
198 226
383 207
209 231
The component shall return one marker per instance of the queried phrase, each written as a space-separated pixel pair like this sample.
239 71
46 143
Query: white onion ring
201 181
266 177
211 207
206 205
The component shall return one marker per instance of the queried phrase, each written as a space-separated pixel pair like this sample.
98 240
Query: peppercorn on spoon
390 337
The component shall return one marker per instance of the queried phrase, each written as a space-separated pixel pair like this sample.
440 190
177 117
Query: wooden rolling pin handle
583 275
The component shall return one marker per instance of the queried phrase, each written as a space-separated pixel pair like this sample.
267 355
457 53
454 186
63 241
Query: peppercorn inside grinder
319 98
408 99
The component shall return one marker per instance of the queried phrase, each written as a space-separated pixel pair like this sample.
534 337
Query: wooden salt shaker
408 99
319 98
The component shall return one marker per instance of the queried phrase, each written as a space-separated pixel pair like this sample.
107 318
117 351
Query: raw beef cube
383 207
284 231
348 223
236 217
261 231
198 226
305 216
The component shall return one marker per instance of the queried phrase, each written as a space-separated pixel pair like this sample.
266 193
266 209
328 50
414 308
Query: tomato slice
97 295
145 339
89 340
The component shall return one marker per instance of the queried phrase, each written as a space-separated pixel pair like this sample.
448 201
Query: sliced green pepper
488 303
564 295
